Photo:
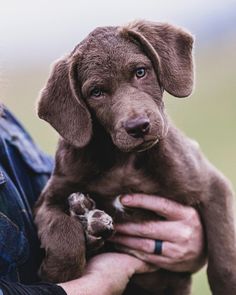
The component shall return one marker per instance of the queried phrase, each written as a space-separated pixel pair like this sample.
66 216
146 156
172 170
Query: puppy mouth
136 144
146 145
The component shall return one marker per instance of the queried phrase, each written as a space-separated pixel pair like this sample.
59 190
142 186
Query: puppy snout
137 127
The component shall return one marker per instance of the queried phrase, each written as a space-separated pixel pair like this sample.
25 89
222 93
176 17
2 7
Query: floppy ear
170 50
61 105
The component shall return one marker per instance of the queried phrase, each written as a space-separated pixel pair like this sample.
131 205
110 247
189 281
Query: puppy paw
99 228
97 225
80 204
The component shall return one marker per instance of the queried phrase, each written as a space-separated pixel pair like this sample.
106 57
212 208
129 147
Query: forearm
86 285
106 274
9 288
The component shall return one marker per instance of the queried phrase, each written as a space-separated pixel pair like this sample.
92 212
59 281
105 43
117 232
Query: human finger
169 209
144 245
169 249
161 230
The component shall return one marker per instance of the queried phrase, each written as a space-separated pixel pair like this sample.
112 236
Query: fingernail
126 199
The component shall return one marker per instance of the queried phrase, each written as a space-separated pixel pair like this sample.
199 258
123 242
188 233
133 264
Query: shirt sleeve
8 288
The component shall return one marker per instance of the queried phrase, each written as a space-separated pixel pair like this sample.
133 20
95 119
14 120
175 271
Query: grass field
209 115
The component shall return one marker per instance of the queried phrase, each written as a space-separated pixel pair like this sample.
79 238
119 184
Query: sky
33 31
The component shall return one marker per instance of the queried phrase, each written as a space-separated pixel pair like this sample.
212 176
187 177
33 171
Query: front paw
80 204
97 225
99 228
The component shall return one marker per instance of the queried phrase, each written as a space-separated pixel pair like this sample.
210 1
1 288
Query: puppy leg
179 284
62 237
218 218
161 282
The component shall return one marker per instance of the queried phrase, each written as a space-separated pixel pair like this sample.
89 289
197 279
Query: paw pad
97 225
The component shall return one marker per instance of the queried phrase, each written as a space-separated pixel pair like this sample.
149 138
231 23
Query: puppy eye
96 92
140 72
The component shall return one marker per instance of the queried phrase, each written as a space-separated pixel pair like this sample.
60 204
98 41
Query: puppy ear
62 107
170 50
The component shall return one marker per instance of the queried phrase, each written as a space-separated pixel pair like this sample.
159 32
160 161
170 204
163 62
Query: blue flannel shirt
24 171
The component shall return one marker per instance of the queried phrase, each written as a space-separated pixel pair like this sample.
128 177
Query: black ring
158 247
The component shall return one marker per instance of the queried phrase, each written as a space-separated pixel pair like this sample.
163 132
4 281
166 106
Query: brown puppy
105 100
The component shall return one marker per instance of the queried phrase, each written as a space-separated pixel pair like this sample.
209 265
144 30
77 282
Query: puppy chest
107 188
123 179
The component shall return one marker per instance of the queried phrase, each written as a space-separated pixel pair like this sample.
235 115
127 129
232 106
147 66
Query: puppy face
117 76
119 85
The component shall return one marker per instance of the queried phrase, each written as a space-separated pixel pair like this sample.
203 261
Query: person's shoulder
13 133
10 126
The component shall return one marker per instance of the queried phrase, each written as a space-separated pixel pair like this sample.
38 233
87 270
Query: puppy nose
137 127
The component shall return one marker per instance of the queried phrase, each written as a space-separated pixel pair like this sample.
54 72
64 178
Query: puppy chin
147 145
128 144
125 143
139 146
127 148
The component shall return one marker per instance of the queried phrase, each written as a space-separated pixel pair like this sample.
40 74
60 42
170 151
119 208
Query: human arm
100 277
13 288
183 247
106 274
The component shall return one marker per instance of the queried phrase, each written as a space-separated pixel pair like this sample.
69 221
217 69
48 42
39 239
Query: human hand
181 233
107 274
117 268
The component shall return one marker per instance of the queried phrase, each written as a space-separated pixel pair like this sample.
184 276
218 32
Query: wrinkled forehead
105 53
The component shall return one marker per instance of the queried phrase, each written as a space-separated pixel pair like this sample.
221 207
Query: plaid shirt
24 170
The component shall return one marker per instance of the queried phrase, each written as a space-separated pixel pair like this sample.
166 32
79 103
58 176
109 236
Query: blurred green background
33 35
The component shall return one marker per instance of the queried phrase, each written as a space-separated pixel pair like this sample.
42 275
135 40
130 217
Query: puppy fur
110 81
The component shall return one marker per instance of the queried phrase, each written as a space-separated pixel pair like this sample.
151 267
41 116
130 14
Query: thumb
143 267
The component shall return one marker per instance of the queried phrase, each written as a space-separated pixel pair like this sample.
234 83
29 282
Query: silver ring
158 247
